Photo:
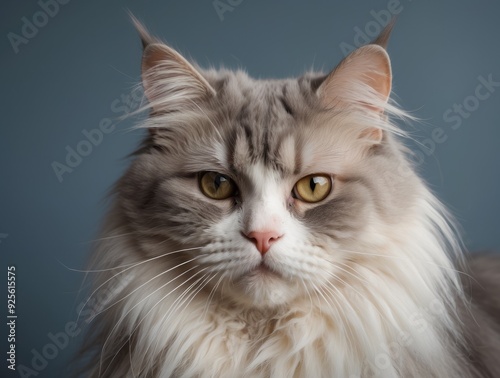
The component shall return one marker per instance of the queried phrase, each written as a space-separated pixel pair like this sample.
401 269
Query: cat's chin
263 288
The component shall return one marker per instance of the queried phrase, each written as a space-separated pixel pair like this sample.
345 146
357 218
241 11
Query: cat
277 228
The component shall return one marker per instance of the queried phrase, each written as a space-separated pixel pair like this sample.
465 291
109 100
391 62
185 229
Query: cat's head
276 187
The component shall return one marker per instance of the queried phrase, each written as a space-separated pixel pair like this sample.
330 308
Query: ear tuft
383 38
146 38
170 82
363 81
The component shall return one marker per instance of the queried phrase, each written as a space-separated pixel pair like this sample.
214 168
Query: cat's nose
263 239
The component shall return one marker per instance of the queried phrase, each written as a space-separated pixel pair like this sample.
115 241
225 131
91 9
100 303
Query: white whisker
137 304
148 281
127 269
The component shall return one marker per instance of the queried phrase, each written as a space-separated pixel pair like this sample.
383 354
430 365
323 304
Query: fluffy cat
276 228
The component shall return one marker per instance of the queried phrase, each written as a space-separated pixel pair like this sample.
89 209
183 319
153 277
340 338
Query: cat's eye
217 186
313 188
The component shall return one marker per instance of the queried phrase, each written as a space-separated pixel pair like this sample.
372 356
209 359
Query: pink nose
263 239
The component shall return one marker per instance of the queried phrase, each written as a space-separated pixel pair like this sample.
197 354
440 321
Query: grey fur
158 199
481 317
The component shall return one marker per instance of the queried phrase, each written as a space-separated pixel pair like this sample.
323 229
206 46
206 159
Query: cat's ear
363 79
170 82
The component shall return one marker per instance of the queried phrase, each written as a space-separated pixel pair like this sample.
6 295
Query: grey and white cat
276 228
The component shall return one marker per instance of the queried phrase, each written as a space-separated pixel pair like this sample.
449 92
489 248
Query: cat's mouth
263 286
264 269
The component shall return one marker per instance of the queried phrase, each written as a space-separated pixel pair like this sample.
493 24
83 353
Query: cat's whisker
203 284
187 293
341 311
120 320
124 343
109 237
375 304
325 293
308 294
317 292
131 265
94 315
351 287
433 263
145 283
336 265
127 269
212 293
357 277
137 304
450 268
179 297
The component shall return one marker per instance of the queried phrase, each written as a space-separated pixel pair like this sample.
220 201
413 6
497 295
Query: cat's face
274 184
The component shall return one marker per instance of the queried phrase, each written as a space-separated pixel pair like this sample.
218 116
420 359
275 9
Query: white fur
379 305
385 312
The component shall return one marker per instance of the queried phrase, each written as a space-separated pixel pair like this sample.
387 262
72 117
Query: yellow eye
313 188
217 186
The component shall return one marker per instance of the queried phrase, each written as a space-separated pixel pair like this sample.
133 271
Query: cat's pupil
312 183
218 181
216 186
317 180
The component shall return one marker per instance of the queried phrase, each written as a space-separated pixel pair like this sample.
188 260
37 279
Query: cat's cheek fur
246 283
362 284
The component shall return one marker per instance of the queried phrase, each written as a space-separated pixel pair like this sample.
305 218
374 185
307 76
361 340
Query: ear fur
170 82
363 77
363 80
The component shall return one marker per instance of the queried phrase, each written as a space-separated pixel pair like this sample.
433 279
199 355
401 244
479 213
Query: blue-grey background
73 73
